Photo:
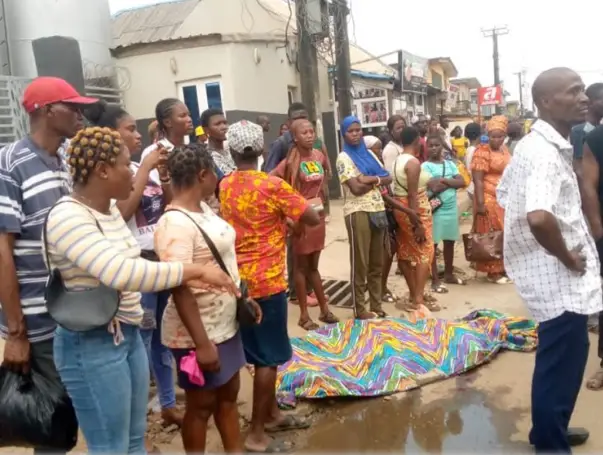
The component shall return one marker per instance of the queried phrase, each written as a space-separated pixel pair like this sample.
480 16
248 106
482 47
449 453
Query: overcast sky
540 35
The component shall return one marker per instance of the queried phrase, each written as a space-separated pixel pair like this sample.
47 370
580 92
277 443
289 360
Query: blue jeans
108 385
160 357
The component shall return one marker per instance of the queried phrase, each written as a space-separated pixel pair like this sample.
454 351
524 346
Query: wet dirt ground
484 411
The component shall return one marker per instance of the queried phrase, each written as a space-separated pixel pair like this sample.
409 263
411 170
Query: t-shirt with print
311 174
178 239
151 207
368 202
257 205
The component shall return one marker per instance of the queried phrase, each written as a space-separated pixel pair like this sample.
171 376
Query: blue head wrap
360 155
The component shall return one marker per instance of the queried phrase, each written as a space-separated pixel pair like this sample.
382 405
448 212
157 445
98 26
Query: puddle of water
463 423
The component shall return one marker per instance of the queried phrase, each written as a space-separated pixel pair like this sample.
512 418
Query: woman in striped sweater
105 371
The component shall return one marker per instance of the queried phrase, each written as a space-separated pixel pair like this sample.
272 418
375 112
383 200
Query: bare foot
172 416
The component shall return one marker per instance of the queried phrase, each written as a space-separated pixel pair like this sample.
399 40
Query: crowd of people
201 232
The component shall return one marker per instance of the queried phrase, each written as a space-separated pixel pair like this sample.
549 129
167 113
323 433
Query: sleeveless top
400 185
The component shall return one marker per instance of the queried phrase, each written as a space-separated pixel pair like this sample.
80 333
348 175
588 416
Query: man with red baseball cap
33 177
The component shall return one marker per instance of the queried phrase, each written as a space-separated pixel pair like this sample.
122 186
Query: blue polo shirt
31 181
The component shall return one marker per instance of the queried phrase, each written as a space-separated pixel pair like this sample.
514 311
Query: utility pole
494 33
342 58
307 62
519 77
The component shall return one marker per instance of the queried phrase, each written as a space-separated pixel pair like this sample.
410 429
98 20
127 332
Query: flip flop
329 318
440 289
289 423
455 280
274 446
308 325
595 382
501 280
388 298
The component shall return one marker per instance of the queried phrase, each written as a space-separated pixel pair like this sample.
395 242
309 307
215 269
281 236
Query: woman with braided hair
198 319
105 370
174 124
141 211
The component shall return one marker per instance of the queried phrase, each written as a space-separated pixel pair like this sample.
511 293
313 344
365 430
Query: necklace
88 202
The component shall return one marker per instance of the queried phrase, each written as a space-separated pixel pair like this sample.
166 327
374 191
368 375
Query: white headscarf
370 141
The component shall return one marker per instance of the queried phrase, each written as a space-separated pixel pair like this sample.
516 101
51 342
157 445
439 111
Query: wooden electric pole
494 33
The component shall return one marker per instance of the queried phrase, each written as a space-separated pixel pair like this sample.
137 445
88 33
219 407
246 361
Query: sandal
432 306
454 280
501 280
595 382
308 325
274 446
366 316
388 297
381 314
329 318
289 423
439 289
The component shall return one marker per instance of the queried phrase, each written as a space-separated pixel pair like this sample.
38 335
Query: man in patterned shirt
258 205
551 256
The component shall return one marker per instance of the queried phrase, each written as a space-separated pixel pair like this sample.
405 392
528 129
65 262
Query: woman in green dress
444 183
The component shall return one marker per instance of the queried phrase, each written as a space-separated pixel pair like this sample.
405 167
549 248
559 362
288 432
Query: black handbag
78 310
246 314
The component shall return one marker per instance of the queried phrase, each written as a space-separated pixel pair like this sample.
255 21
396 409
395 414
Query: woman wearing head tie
487 166
361 175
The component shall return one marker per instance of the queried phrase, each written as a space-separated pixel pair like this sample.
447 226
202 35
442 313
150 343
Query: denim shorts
267 344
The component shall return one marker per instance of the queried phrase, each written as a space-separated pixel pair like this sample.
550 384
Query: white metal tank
87 21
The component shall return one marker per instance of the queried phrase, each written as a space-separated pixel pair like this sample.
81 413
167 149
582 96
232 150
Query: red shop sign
489 95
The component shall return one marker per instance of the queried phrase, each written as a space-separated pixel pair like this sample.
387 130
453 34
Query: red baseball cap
43 91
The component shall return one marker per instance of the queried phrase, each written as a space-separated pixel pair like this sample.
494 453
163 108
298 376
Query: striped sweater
85 256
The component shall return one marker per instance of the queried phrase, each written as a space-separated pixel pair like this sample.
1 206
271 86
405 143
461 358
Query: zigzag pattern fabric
384 356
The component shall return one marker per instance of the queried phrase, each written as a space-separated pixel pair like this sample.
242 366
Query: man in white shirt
551 256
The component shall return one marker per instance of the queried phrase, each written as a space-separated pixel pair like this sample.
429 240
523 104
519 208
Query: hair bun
95 112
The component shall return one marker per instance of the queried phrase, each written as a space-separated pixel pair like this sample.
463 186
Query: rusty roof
148 24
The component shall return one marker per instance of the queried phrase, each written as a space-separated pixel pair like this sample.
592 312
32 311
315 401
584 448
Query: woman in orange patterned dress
487 166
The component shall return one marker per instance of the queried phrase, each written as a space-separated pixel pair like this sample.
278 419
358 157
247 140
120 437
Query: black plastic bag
35 412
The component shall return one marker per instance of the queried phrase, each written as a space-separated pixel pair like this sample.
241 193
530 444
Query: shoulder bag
483 247
78 310
246 315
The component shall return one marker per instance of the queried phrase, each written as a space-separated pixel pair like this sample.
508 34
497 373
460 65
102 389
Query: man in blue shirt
595 113
33 176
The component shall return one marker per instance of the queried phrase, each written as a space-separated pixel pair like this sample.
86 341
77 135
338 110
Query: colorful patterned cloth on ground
384 356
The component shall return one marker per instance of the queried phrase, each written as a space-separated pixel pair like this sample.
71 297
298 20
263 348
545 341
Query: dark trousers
290 277
558 371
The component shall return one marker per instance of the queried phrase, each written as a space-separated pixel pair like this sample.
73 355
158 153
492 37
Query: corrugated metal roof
151 23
